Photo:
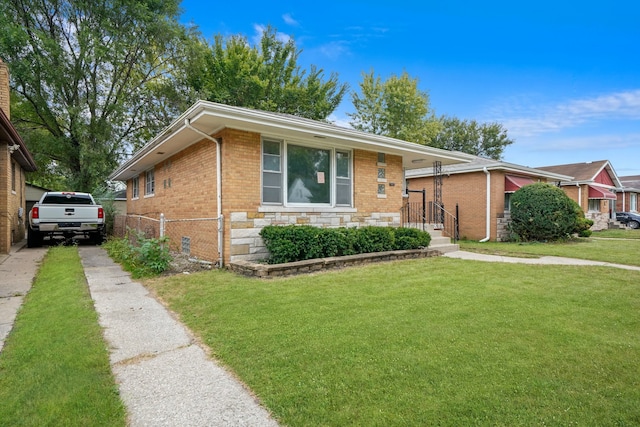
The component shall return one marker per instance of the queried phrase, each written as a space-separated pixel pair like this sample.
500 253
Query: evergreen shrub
543 212
300 242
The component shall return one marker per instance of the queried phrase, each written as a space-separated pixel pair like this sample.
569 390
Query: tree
265 77
469 136
91 80
394 108
543 212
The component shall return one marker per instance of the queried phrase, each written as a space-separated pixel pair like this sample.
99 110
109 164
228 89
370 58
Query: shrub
542 212
149 257
583 224
295 243
411 238
374 239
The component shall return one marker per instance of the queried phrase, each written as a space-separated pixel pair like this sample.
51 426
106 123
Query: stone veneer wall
502 227
246 243
600 220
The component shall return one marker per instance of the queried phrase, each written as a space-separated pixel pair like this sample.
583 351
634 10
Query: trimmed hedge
300 242
543 212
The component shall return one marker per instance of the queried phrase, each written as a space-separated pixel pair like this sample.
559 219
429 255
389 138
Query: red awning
514 183
601 193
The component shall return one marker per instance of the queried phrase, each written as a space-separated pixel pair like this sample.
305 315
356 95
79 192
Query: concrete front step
446 248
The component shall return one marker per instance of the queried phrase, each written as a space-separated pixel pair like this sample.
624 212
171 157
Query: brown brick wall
469 192
185 187
12 226
5 89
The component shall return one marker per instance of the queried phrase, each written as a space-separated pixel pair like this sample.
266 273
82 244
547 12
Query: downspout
579 195
488 214
187 123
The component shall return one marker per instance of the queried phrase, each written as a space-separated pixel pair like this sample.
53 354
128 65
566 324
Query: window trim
594 210
151 172
135 187
284 159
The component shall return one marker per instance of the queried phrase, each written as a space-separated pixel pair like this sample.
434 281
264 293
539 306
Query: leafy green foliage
583 224
542 212
300 242
469 136
146 258
264 77
394 108
398 109
411 238
91 80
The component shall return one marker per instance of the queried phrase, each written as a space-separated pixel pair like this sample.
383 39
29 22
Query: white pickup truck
66 214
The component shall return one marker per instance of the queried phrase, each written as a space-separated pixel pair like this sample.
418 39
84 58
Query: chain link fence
195 237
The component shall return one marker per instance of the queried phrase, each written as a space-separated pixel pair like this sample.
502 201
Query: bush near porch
301 242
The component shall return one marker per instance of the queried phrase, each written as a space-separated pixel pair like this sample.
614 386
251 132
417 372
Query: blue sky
563 77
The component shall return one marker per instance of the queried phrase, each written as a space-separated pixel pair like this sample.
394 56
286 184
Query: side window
150 184
135 187
272 172
343 178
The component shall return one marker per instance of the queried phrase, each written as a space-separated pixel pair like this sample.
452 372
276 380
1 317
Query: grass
618 234
54 368
427 342
618 251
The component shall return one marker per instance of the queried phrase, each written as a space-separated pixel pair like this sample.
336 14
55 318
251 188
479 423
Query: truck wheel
97 238
34 238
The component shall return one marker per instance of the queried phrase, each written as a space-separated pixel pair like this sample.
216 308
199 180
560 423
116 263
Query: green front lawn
618 251
617 234
54 368
427 342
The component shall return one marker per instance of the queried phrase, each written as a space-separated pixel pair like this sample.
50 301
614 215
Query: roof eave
218 116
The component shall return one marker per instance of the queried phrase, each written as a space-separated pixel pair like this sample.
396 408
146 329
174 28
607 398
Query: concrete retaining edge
253 269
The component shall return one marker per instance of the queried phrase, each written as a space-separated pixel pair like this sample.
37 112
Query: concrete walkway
165 378
17 271
546 260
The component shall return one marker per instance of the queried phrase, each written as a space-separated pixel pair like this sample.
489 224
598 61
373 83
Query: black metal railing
444 220
412 215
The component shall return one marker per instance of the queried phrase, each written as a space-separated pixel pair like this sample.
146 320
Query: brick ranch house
245 169
627 196
15 162
481 189
593 187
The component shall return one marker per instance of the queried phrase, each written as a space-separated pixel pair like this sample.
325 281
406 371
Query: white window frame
149 183
593 201
284 144
633 202
507 201
135 187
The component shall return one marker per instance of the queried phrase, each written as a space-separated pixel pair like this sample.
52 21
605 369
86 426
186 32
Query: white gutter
488 214
579 195
187 123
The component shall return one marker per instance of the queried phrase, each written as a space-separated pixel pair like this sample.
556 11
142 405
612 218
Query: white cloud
259 31
334 50
288 19
537 119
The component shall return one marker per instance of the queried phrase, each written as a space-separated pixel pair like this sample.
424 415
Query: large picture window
313 175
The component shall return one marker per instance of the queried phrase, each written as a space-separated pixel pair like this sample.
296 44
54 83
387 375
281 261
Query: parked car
630 219
65 214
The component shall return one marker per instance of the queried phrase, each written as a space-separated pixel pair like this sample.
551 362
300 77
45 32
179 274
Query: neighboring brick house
481 189
15 161
254 168
594 187
629 195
